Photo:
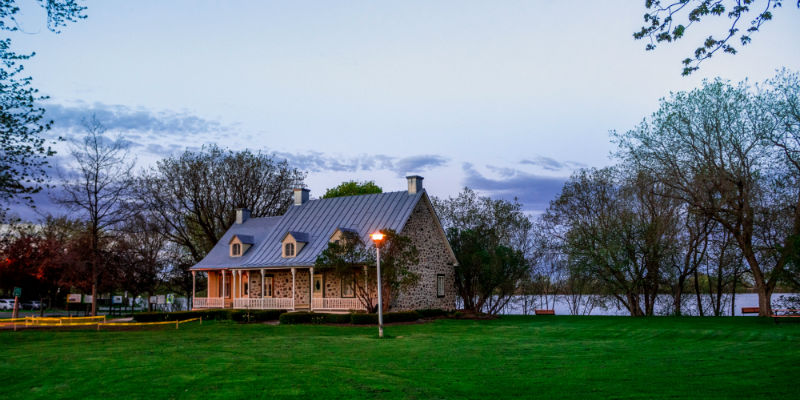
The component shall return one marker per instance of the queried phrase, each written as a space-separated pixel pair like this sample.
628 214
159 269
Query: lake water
599 305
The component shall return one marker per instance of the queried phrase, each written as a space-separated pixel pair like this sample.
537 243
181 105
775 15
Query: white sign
161 299
116 300
87 298
73 298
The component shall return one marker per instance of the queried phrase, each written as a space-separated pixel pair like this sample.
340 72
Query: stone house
268 263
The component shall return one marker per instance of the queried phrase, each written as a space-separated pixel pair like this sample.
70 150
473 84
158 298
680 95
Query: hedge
256 315
432 313
182 315
298 317
372 319
305 317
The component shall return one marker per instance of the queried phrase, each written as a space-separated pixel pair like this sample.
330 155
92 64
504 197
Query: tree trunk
697 293
764 301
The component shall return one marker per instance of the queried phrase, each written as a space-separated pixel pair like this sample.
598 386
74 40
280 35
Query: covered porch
297 288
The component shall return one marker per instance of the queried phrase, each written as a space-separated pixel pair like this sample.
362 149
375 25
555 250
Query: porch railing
266 303
209 302
336 303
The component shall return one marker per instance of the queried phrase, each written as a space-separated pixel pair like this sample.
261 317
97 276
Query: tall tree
352 188
668 21
23 150
99 188
708 147
492 239
194 196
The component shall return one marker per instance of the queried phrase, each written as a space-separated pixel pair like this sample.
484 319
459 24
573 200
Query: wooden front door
318 286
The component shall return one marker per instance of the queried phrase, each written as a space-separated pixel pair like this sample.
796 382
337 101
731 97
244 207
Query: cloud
128 119
534 191
551 164
418 163
320 162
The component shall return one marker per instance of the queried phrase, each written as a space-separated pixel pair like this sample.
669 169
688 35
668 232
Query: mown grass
513 357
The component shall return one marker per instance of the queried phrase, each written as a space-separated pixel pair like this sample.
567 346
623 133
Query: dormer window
239 245
293 243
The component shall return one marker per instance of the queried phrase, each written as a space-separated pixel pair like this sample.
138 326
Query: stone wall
434 258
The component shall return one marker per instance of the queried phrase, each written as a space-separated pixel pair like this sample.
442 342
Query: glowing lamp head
376 237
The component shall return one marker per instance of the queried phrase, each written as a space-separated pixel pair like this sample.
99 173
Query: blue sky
505 97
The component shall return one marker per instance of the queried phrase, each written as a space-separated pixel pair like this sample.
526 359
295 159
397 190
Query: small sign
17 292
161 299
87 299
73 298
170 298
116 300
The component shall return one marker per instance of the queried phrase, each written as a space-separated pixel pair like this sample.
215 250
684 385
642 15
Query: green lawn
514 357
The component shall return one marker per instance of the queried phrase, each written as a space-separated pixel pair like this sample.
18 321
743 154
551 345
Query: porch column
293 287
222 272
193 286
262 283
208 284
311 289
366 282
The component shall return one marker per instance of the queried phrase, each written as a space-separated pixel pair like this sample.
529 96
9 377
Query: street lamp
377 237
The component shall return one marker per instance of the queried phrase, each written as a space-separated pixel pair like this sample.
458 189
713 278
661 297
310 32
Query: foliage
717 150
352 188
195 195
432 313
398 255
488 273
668 21
207 315
23 150
492 240
296 317
256 315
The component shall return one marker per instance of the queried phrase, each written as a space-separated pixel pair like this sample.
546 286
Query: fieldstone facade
435 258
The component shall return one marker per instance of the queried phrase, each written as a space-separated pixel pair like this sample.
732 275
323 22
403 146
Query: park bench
749 310
777 314
545 312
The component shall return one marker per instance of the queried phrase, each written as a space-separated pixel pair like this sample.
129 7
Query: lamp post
377 237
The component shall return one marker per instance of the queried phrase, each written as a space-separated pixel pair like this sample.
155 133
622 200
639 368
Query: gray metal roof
219 256
318 220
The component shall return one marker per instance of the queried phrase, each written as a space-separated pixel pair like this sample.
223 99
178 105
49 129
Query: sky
508 98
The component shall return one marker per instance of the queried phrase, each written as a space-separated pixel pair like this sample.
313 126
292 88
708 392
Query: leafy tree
668 21
488 273
352 188
711 149
494 238
398 256
194 196
23 151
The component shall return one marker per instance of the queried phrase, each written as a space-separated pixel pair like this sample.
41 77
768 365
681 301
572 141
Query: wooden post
262 283
223 287
293 287
193 287
176 324
311 289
